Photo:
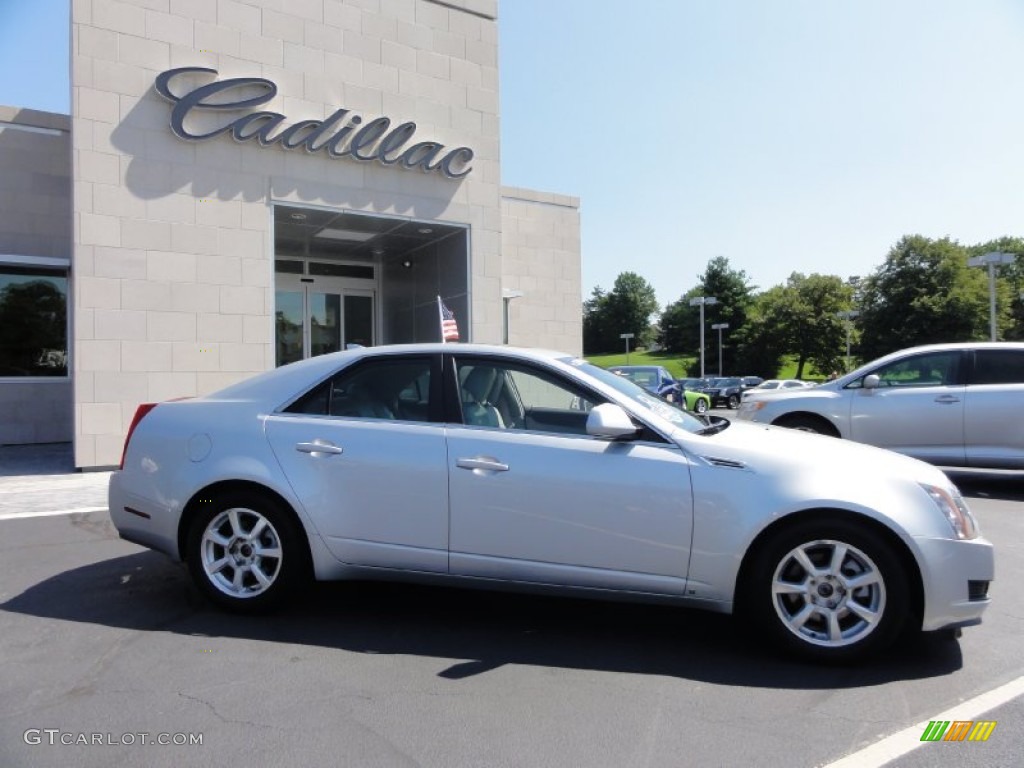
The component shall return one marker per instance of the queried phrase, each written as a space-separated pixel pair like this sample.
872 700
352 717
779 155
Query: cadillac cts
502 467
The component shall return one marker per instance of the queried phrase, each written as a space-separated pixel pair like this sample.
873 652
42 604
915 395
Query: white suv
956 405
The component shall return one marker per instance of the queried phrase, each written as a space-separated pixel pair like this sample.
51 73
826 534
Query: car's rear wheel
245 552
700 405
829 591
734 402
806 422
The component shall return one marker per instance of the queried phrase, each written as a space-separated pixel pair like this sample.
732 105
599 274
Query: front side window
933 369
514 396
33 321
384 389
998 366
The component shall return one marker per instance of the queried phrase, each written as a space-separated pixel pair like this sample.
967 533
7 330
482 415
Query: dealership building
245 184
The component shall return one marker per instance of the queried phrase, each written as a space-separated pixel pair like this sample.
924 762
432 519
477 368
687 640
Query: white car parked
776 385
487 466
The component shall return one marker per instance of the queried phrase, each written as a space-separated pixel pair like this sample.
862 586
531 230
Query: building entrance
318 314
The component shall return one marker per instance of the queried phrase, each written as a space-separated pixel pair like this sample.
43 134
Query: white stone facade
173 256
35 230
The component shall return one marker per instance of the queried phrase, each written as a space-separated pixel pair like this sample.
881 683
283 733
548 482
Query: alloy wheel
828 593
241 553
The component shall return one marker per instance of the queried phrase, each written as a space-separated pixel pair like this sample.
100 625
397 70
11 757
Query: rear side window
998 366
388 389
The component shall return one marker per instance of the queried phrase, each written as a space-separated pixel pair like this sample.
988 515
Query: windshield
725 383
641 397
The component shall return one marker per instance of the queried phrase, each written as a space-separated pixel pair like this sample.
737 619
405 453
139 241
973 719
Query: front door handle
319 448
482 462
947 399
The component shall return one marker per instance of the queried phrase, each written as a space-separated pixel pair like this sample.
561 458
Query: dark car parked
728 390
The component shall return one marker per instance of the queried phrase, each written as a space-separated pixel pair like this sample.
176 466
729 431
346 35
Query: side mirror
611 421
872 381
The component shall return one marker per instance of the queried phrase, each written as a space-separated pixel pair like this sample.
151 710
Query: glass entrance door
318 315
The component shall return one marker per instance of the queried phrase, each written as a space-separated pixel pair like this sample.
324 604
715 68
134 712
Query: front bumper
955 575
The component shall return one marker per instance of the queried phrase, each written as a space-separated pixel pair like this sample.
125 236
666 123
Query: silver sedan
500 467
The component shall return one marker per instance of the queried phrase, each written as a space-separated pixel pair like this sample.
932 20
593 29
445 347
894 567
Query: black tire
844 623
734 402
238 567
700 406
806 422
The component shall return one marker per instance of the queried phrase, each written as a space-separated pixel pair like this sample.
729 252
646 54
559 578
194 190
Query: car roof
282 383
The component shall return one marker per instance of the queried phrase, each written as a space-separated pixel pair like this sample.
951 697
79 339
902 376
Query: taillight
140 412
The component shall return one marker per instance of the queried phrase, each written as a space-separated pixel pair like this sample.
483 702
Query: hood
836 463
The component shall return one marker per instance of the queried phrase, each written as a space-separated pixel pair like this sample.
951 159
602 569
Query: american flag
449 328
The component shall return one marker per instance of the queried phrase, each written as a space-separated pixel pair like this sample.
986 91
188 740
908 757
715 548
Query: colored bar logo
958 730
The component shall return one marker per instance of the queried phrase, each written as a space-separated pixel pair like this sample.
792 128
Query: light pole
848 316
701 301
627 337
991 259
719 327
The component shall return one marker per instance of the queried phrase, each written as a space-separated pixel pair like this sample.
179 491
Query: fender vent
727 463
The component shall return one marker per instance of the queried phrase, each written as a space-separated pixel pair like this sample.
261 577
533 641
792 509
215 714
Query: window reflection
33 322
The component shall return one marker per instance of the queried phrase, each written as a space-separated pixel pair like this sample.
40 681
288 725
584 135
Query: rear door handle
947 399
319 447
482 462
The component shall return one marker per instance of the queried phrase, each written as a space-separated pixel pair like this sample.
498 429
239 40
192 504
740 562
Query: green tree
680 323
1010 284
626 309
593 318
925 293
764 339
816 334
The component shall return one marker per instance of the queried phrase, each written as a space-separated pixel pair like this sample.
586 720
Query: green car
697 402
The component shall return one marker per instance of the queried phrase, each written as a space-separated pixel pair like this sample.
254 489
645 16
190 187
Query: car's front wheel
829 590
244 552
734 402
701 405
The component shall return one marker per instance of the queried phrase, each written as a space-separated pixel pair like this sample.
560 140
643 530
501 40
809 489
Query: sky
785 135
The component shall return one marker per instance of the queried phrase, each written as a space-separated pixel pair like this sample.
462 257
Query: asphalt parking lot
107 642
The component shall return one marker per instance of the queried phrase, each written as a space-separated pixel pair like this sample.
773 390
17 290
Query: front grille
977 590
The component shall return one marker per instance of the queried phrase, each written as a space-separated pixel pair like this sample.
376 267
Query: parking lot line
50 513
909 739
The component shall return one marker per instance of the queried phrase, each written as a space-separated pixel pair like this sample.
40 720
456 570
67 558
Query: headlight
952 505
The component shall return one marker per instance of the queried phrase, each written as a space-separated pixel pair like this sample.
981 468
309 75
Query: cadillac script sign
227 107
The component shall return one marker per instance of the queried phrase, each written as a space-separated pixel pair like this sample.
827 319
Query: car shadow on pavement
479 631
981 484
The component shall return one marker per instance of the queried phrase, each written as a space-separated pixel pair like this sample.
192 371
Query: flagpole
440 319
